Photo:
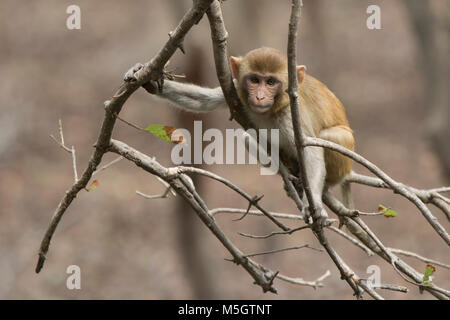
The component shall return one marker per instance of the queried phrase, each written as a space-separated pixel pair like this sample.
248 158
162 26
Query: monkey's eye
254 79
271 81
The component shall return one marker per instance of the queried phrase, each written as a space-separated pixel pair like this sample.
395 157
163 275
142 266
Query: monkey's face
261 91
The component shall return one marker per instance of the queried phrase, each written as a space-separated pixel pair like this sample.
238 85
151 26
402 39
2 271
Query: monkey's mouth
260 108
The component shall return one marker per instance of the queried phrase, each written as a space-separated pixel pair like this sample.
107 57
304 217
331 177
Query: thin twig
129 123
163 195
74 165
282 250
352 240
233 187
391 287
419 257
106 166
61 144
299 281
274 233
440 190
69 150
215 211
61 134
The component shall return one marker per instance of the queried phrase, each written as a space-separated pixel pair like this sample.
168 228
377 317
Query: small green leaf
387 212
390 213
93 185
165 133
158 130
429 270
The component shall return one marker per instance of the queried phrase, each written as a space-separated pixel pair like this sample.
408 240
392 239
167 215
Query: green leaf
159 131
165 133
429 270
93 185
390 213
387 212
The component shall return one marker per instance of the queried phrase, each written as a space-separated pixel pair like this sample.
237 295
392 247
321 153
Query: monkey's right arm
193 98
188 97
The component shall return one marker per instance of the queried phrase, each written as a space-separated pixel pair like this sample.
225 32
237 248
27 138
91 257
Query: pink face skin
262 91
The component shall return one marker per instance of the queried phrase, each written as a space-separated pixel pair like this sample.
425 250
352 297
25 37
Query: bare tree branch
373 243
300 144
176 179
173 176
427 196
152 70
393 185
235 188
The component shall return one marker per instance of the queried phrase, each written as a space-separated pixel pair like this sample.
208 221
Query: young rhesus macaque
261 80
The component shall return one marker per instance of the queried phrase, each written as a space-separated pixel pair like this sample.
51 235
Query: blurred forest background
393 82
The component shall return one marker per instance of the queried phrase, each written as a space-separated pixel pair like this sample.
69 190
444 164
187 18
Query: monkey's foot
321 216
305 215
131 74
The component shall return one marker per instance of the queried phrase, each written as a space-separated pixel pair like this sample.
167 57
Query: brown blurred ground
126 246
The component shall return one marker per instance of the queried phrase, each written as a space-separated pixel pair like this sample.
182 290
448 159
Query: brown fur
320 109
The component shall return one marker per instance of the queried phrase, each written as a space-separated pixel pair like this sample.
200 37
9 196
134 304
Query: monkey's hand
133 75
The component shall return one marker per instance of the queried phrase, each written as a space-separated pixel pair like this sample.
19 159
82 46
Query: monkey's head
263 79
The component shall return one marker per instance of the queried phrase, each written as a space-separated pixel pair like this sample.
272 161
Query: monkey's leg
316 173
337 165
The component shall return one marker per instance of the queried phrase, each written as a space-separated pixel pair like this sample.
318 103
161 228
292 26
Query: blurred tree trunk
315 17
195 262
195 259
251 13
431 21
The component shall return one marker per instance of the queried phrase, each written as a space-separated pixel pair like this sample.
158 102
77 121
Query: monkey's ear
235 64
301 73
